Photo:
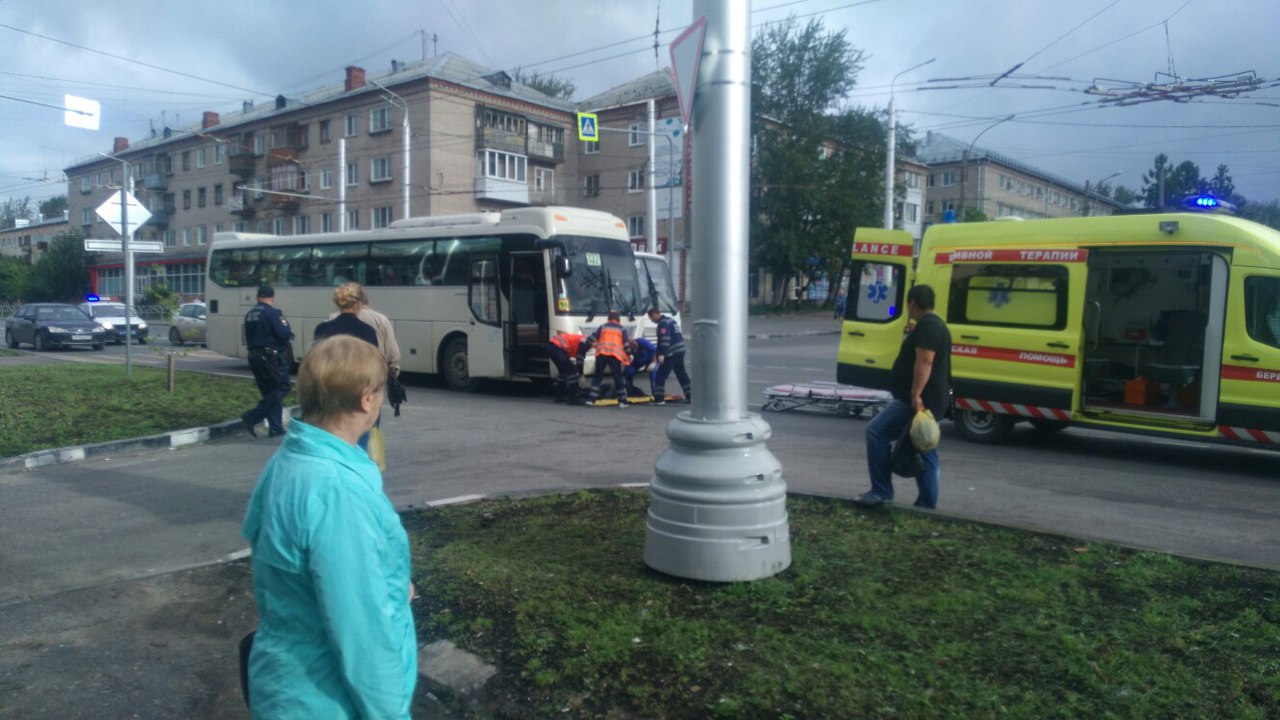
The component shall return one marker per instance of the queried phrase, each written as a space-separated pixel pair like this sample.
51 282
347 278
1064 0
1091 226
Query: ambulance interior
1149 331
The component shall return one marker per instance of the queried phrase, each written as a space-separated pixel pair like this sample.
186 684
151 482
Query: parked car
188 324
52 325
111 316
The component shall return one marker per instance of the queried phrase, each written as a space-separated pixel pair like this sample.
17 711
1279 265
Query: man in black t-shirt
920 379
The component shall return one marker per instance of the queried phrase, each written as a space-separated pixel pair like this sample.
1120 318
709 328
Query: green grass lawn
51 406
884 613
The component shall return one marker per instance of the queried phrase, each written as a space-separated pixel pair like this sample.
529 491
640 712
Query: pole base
717 503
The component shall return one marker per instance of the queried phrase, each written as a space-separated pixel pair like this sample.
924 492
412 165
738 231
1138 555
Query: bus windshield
655 280
602 278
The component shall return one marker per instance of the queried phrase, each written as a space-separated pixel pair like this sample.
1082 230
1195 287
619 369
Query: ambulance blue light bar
1207 203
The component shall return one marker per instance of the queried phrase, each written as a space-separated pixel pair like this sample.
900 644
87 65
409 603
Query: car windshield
110 310
67 314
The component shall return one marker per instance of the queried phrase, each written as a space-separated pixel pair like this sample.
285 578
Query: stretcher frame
834 398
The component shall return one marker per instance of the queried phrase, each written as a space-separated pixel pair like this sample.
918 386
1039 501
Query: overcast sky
156 63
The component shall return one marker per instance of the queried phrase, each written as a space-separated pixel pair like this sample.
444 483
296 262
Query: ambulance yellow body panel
1166 324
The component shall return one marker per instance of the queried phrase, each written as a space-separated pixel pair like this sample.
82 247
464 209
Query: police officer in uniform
671 351
267 334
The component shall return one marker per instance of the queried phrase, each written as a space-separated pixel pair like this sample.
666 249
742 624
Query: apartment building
30 239
330 160
909 204
961 176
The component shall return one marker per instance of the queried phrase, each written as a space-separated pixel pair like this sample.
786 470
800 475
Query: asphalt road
71 526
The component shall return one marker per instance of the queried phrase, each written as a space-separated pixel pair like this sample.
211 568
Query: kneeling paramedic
563 351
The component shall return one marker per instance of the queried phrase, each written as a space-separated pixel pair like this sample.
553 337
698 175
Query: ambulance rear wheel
984 427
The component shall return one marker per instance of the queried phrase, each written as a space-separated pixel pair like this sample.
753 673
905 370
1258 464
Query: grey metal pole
888 165
126 187
651 192
717 509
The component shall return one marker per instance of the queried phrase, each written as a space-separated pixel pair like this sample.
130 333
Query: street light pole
1096 185
126 189
892 142
404 140
964 162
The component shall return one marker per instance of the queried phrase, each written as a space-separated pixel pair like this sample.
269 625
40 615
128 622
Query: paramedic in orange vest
611 342
563 351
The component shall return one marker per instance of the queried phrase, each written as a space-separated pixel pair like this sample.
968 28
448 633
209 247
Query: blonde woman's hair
335 374
348 295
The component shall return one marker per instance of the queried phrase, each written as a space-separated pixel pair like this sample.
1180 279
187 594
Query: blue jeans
883 429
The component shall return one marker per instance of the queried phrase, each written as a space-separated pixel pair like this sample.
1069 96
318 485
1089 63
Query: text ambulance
1161 324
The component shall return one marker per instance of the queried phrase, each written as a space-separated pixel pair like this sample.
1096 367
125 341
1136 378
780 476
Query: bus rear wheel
984 427
455 368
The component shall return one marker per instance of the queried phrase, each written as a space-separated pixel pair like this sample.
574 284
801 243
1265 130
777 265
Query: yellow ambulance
1162 324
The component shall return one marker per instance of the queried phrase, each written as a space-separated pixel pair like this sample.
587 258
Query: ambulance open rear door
875 315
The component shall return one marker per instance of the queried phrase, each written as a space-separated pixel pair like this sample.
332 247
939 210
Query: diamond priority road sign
110 212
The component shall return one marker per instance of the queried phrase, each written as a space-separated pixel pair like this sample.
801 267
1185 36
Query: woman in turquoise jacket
335 635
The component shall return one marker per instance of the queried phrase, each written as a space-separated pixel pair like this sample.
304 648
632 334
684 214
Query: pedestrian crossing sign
588 127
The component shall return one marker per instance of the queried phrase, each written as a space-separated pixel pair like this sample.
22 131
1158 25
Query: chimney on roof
209 120
247 107
120 145
355 78
280 102
395 66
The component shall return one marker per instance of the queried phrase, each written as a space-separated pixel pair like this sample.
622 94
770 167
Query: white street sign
686 54
81 112
142 246
109 211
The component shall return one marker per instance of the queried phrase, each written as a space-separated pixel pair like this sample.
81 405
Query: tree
548 85
1125 196
1222 186
14 209
62 273
13 277
54 207
817 169
1179 182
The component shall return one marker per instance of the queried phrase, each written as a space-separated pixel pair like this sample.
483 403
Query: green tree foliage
160 294
548 85
14 209
817 168
14 272
1267 213
1124 195
53 208
62 273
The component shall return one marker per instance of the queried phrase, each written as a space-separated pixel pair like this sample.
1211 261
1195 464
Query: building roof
449 67
939 149
657 84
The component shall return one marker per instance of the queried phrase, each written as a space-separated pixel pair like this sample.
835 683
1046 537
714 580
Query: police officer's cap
266 291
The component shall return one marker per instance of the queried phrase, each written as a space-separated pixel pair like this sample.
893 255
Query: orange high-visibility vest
609 343
568 342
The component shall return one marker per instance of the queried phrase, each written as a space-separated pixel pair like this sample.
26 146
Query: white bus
659 290
471 296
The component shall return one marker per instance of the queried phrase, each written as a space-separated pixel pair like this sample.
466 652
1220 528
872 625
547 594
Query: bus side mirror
563 267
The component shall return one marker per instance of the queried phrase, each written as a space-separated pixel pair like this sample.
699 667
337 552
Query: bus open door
875 316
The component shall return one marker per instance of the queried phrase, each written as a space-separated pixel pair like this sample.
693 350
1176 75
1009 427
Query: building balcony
156 182
540 150
488 138
546 197
284 203
242 164
508 191
282 156
237 204
159 218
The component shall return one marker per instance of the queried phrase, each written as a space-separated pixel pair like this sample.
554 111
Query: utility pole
890 171
404 142
651 192
717 508
964 163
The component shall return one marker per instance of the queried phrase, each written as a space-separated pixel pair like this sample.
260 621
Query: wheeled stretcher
844 400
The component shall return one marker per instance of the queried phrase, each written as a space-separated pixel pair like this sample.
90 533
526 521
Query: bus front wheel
454 366
984 427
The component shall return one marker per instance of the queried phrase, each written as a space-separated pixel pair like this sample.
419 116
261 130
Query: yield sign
686 54
110 213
